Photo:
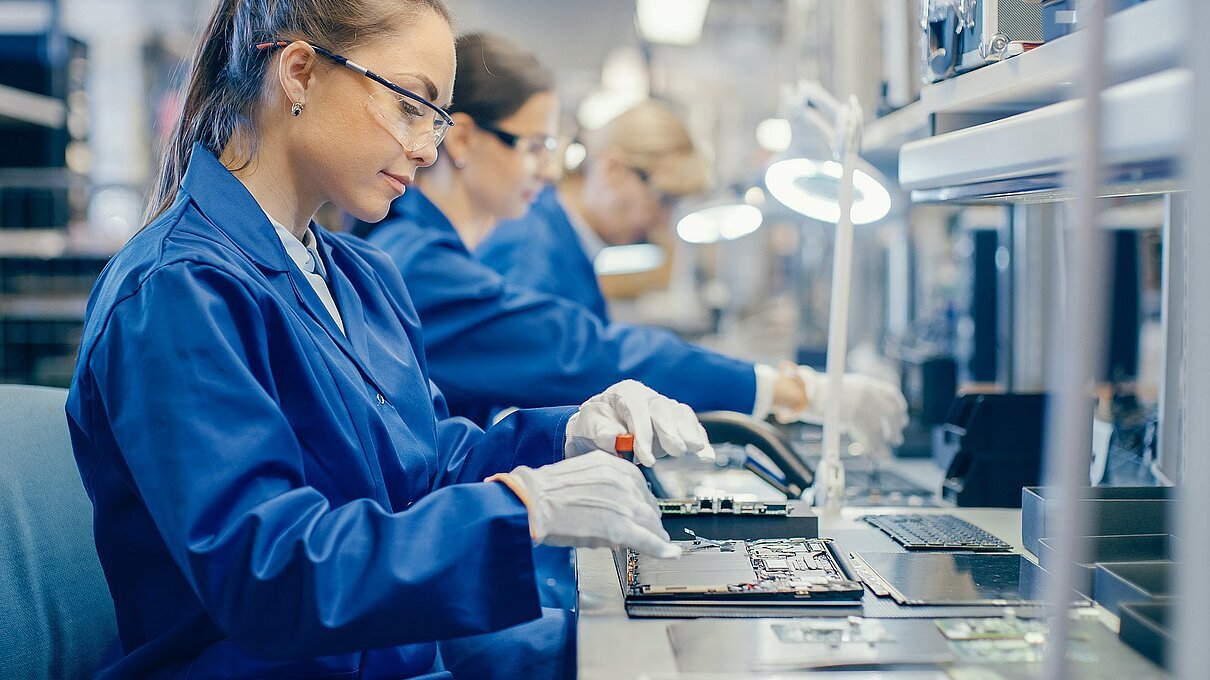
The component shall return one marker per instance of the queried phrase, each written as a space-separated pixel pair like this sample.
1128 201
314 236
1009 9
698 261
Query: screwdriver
623 447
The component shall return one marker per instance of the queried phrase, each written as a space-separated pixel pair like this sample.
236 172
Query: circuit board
767 570
720 506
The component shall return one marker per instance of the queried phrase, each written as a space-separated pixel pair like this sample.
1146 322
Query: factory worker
278 489
637 165
493 343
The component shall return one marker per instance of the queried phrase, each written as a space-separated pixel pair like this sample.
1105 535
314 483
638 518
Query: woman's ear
296 72
459 139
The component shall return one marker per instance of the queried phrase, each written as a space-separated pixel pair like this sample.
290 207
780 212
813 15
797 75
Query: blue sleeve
490 344
533 437
183 376
521 251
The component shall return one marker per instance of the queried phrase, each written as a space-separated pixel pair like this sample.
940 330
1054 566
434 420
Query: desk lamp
824 178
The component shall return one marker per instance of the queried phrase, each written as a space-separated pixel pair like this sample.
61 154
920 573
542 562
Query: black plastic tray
1147 629
1116 584
1108 550
1113 511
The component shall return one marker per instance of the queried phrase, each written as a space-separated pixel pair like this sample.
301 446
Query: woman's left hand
632 407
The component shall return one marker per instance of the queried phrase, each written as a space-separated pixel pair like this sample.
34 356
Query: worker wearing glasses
493 343
278 488
637 166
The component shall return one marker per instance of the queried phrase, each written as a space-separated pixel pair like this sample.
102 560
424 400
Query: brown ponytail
496 77
227 74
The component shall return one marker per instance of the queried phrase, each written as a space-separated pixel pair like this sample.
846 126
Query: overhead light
812 189
755 196
624 83
720 222
602 106
629 259
672 22
774 134
574 155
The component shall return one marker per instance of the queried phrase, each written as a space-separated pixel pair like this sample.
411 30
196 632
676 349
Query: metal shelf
1147 125
883 137
27 307
28 107
23 17
1141 40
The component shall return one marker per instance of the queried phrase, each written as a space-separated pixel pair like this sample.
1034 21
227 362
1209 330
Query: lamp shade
812 188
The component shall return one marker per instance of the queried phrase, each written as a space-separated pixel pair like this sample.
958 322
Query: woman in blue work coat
492 343
278 489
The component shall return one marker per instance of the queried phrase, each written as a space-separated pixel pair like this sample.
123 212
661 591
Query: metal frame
1192 655
1078 344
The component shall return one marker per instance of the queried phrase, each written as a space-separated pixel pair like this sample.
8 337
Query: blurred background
953 292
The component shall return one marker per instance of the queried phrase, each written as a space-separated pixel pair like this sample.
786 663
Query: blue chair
56 615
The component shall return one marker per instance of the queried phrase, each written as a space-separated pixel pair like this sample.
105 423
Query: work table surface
614 647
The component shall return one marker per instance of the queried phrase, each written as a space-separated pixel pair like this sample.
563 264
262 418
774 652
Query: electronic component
721 573
727 517
937 532
1006 628
833 632
720 506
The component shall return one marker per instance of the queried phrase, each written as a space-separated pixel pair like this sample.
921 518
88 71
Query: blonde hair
652 138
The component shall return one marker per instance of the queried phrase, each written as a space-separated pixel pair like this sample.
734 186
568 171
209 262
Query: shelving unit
28 107
1005 132
1147 124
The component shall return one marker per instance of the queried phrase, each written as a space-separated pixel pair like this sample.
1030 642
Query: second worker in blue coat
493 343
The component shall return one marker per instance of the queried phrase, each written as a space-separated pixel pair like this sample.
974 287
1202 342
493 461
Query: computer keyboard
936 532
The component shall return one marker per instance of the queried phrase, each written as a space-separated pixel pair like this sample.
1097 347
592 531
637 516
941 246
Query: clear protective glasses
538 146
414 121
665 200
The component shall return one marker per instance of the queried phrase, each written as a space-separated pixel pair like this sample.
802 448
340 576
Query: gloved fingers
891 410
667 430
892 433
860 433
650 543
871 440
696 440
630 485
632 414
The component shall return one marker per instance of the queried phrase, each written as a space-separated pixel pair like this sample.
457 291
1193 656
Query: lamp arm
829 478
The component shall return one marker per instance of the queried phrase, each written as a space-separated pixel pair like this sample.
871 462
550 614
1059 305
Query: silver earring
296 110
459 163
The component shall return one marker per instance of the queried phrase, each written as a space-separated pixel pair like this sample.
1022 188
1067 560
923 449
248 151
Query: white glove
594 500
632 407
873 412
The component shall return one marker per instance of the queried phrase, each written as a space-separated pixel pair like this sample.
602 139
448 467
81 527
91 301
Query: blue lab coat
543 251
492 344
273 499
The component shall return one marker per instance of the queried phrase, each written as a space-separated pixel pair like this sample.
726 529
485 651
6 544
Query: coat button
381 399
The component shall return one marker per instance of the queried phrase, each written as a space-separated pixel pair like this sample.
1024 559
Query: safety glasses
414 127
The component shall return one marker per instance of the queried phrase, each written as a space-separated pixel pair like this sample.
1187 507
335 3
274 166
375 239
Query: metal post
1035 231
1172 318
1193 609
1079 346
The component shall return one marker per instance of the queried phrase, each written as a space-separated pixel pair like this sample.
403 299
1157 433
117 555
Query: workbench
614 647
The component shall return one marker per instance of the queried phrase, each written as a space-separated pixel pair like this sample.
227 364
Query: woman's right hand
594 500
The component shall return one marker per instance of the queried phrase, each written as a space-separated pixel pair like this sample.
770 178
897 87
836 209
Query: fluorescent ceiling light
813 189
720 222
672 22
631 259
